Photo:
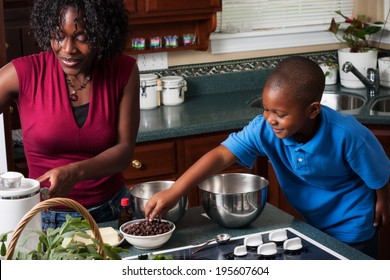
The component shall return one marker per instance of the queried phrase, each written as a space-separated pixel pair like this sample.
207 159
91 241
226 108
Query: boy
330 167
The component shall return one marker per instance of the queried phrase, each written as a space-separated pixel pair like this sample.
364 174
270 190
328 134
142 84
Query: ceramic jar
148 91
384 71
330 72
173 88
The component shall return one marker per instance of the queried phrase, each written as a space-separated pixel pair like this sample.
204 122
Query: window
245 25
252 15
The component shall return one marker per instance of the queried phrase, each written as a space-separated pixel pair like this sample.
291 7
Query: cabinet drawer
152 160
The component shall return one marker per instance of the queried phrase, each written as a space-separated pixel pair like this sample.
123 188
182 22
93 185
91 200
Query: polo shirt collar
314 144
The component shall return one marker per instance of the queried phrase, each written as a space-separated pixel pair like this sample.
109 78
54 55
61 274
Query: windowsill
264 40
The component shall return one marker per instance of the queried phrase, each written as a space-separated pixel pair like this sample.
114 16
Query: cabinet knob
136 164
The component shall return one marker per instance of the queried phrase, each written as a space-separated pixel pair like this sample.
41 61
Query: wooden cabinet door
196 147
382 133
17 3
152 161
131 6
179 5
153 8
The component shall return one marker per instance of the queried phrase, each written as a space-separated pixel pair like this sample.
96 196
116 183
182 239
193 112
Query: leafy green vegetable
50 244
3 239
155 257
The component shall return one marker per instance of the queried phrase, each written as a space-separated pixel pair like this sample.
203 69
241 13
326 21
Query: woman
78 103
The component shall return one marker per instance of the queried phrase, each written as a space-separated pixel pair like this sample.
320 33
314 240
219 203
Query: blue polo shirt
331 179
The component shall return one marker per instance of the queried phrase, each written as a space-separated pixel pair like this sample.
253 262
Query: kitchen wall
373 9
3 154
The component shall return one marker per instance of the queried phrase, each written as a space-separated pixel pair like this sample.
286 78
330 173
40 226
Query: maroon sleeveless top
51 136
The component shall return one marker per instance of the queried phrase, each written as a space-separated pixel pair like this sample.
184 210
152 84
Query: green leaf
4 236
3 249
50 244
372 29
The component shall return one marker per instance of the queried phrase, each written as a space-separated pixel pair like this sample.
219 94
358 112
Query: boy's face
287 116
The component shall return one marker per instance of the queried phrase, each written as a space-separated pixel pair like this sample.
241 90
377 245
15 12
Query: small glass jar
155 42
171 41
138 43
189 39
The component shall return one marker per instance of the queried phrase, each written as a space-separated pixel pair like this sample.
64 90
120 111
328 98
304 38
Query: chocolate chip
147 228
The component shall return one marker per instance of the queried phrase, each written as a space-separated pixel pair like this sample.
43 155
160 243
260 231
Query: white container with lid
173 88
14 204
148 91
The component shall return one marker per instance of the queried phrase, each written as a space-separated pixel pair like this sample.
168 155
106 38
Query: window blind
264 15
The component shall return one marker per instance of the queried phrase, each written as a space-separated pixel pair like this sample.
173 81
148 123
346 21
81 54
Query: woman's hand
62 180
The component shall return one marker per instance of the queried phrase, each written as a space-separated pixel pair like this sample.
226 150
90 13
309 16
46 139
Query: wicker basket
47 204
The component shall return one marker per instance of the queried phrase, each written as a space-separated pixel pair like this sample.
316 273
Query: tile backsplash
253 64
235 75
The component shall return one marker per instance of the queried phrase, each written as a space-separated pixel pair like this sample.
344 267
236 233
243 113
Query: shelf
161 18
180 48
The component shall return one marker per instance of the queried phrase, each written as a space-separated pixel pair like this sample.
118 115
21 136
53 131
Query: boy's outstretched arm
211 163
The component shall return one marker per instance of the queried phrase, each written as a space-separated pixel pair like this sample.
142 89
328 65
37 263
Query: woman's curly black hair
106 23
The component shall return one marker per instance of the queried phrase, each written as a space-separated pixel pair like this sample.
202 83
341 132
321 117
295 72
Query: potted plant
330 69
355 35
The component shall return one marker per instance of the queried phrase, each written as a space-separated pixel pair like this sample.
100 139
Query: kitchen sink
381 106
339 101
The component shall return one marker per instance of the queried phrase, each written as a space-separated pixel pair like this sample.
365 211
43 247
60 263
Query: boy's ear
314 109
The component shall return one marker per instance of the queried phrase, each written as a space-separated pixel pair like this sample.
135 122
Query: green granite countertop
221 102
195 228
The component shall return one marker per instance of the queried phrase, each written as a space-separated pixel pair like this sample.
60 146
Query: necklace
73 95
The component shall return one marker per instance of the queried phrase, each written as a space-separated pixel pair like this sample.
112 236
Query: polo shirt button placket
300 161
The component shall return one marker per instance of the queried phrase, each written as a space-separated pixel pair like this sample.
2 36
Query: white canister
173 88
148 91
330 72
384 71
14 204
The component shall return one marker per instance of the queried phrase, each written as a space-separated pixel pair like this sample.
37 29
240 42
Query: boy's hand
159 204
382 208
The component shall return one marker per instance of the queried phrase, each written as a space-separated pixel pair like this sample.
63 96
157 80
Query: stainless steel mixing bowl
140 194
234 200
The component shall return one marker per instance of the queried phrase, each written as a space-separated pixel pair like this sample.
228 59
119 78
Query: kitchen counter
220 102
195 228
226 107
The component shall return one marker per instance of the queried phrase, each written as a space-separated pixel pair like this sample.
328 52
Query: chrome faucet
371 81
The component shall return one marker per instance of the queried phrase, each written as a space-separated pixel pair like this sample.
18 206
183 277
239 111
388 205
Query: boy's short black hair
106 23
302 78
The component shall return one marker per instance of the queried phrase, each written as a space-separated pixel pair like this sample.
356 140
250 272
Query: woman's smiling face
70 44
287 116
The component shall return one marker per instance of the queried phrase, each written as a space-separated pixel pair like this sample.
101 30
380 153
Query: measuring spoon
221 238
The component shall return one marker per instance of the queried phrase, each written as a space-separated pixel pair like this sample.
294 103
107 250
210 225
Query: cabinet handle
136 164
